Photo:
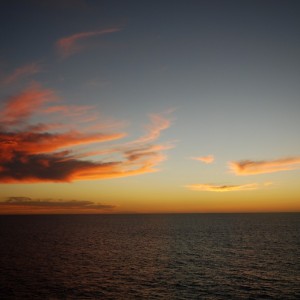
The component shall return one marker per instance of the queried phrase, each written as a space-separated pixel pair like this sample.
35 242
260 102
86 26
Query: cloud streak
71 44
23 204
222 188
24 71
250 167
36 153
158 123
205 159
20 107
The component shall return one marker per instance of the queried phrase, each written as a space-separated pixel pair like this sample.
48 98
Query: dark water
196 256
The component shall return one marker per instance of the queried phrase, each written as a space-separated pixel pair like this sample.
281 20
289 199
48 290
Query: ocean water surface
180 256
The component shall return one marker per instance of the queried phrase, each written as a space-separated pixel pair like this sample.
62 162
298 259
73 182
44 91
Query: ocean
151 256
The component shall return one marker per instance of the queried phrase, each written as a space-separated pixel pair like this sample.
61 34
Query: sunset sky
149 106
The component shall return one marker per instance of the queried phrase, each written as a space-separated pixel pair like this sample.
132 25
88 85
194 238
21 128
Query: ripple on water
197 256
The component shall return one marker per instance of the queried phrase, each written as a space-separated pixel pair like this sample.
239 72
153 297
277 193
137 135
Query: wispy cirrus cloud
140 156
222 188
206 159
251 167
159 122
18 108
21 72
140 147
37 153
69 45
23 204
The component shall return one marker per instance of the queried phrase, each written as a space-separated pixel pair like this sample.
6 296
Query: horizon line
149 213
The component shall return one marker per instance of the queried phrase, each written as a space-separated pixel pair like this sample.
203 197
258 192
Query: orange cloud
144 164
250 167
23 71
206 159
222 188
27 141
69 45
35 153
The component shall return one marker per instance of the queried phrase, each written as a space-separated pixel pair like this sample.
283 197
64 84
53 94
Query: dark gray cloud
45 167
71 204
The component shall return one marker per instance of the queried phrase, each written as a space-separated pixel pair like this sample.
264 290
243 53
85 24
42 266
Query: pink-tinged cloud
250 167
37 153
222 188
69 45
20 107
159 123
21 72
206 159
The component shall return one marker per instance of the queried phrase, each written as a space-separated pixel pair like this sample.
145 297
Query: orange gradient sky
155 108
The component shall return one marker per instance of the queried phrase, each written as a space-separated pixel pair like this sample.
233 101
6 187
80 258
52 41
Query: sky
149 106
